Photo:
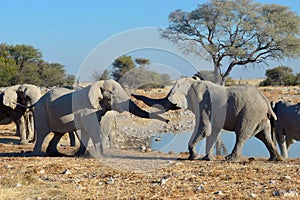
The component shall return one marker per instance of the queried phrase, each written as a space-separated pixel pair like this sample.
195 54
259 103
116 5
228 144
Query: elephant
62 110
287 126
10 103
241 109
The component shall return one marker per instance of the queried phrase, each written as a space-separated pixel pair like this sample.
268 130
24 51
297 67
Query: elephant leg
238 147
52 146
72 139
94 132
30 127
266 138
107 125
210 143
84 140
289 141
281 142
192 146
21 127
40 136
196 137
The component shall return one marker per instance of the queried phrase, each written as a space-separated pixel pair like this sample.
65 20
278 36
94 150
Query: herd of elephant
87 113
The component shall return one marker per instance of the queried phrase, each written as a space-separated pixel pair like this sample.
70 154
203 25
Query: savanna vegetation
281 75
134 73
24 64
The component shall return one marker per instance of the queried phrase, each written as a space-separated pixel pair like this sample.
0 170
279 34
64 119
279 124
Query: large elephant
242 109
287 125
10 101
63 110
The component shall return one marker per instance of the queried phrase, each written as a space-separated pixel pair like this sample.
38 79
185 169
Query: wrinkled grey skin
242 109
10 99
62 110
287 126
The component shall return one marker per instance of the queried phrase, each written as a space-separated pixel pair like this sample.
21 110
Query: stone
163 181
287 178
18 185
285 193
67 172
272 181
218 192
110 181
253 195
200 188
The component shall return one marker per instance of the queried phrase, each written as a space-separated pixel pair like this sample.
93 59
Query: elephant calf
287 126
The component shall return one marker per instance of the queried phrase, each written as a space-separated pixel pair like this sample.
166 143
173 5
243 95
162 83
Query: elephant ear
29 94
10 97
95 94
179 93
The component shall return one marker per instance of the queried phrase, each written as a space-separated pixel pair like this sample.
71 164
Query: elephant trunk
164 102
134 109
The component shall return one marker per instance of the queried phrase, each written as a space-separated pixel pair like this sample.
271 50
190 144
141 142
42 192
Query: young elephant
287 125
62 110
242 109
10 99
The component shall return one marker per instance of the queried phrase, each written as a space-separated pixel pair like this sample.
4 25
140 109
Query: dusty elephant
10 101
242 109
62 110
287 126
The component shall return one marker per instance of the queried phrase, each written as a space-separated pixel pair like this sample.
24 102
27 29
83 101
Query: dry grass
44 178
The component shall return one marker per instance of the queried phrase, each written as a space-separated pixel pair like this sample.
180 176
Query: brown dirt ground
137 175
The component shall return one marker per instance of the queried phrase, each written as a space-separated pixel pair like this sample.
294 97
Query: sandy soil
132 174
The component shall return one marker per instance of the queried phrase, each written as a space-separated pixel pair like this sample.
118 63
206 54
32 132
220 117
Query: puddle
178 142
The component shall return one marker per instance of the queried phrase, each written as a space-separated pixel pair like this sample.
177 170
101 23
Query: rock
163 181
18 185
143 148
7 166
253 195
290 193
272 181
67 172
285 193
110 181
200 188
287 178
218 192
42 171
148 150
255 183
79 187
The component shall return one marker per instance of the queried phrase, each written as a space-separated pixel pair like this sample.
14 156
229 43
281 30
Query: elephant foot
54 153
193 156
23 142
208 158
275 158
231 158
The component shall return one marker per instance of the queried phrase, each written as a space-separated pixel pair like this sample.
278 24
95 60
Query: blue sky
67 31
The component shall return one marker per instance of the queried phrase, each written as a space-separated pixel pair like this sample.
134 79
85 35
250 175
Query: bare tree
231 33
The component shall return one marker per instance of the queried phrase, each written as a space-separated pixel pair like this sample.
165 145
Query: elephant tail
271 113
